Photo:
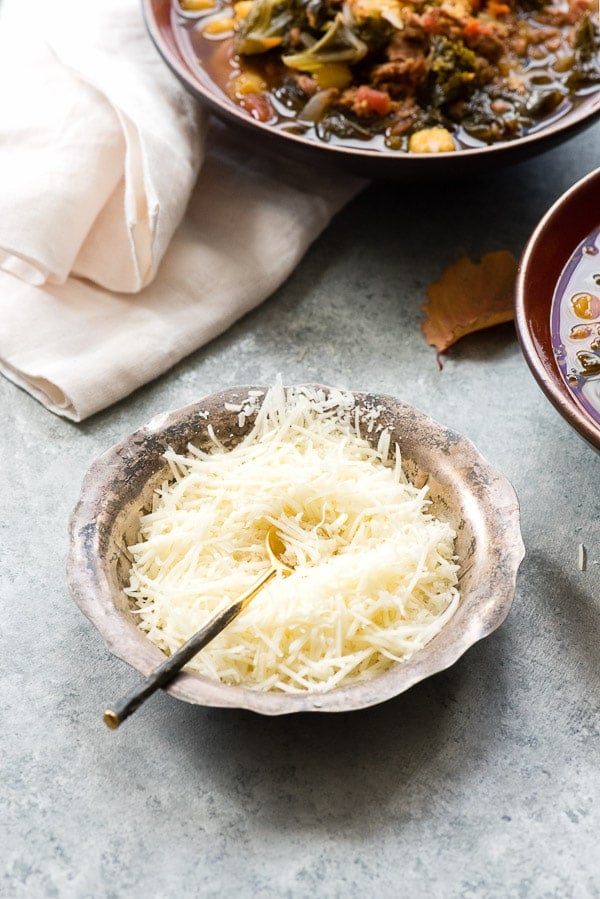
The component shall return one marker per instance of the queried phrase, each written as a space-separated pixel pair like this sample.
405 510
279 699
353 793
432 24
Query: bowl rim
492 495
534 334
559 128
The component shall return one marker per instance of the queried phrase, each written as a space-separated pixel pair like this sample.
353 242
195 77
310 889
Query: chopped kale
480 121
264 27
533 5
338 44
452 72
336 124
586 63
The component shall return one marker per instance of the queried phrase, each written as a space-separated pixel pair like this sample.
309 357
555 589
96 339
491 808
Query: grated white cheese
374 573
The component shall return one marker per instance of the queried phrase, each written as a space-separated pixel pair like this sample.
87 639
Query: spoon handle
171 667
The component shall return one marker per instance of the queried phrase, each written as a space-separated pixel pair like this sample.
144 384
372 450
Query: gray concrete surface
481 782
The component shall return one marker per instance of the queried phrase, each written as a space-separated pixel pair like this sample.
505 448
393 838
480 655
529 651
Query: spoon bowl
275 550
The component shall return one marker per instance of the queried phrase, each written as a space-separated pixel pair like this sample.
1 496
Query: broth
575 323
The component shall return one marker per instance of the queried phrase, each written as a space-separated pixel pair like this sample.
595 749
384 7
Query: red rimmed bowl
570 221
371 163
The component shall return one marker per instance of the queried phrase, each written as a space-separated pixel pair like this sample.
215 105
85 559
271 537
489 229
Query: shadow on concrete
567 612
315 772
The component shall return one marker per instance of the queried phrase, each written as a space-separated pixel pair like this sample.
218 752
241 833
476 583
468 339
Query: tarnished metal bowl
465 491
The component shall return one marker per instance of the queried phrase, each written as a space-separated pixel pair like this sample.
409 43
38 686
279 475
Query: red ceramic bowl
572 218
367 162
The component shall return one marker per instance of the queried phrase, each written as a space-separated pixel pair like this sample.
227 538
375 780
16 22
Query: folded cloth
132 229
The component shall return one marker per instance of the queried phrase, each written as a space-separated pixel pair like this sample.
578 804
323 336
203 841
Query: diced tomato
474 27
498 9
370 101
430 21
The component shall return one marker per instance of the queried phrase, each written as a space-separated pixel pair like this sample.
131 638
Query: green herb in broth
417 76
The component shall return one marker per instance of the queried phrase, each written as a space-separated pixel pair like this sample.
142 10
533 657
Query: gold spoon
172 666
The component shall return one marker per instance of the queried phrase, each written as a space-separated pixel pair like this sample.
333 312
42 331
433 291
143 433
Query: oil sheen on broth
575 322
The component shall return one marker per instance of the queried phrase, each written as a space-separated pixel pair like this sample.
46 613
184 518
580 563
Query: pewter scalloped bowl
465 490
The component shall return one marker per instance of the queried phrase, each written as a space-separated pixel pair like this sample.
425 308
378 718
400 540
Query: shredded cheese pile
374 573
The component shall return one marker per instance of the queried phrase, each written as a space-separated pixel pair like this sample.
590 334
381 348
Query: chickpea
431 140
585 305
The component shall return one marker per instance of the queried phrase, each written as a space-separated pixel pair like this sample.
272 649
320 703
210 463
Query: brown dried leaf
469 297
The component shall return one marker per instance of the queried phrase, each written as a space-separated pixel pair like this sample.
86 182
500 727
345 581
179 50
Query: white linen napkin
132 230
